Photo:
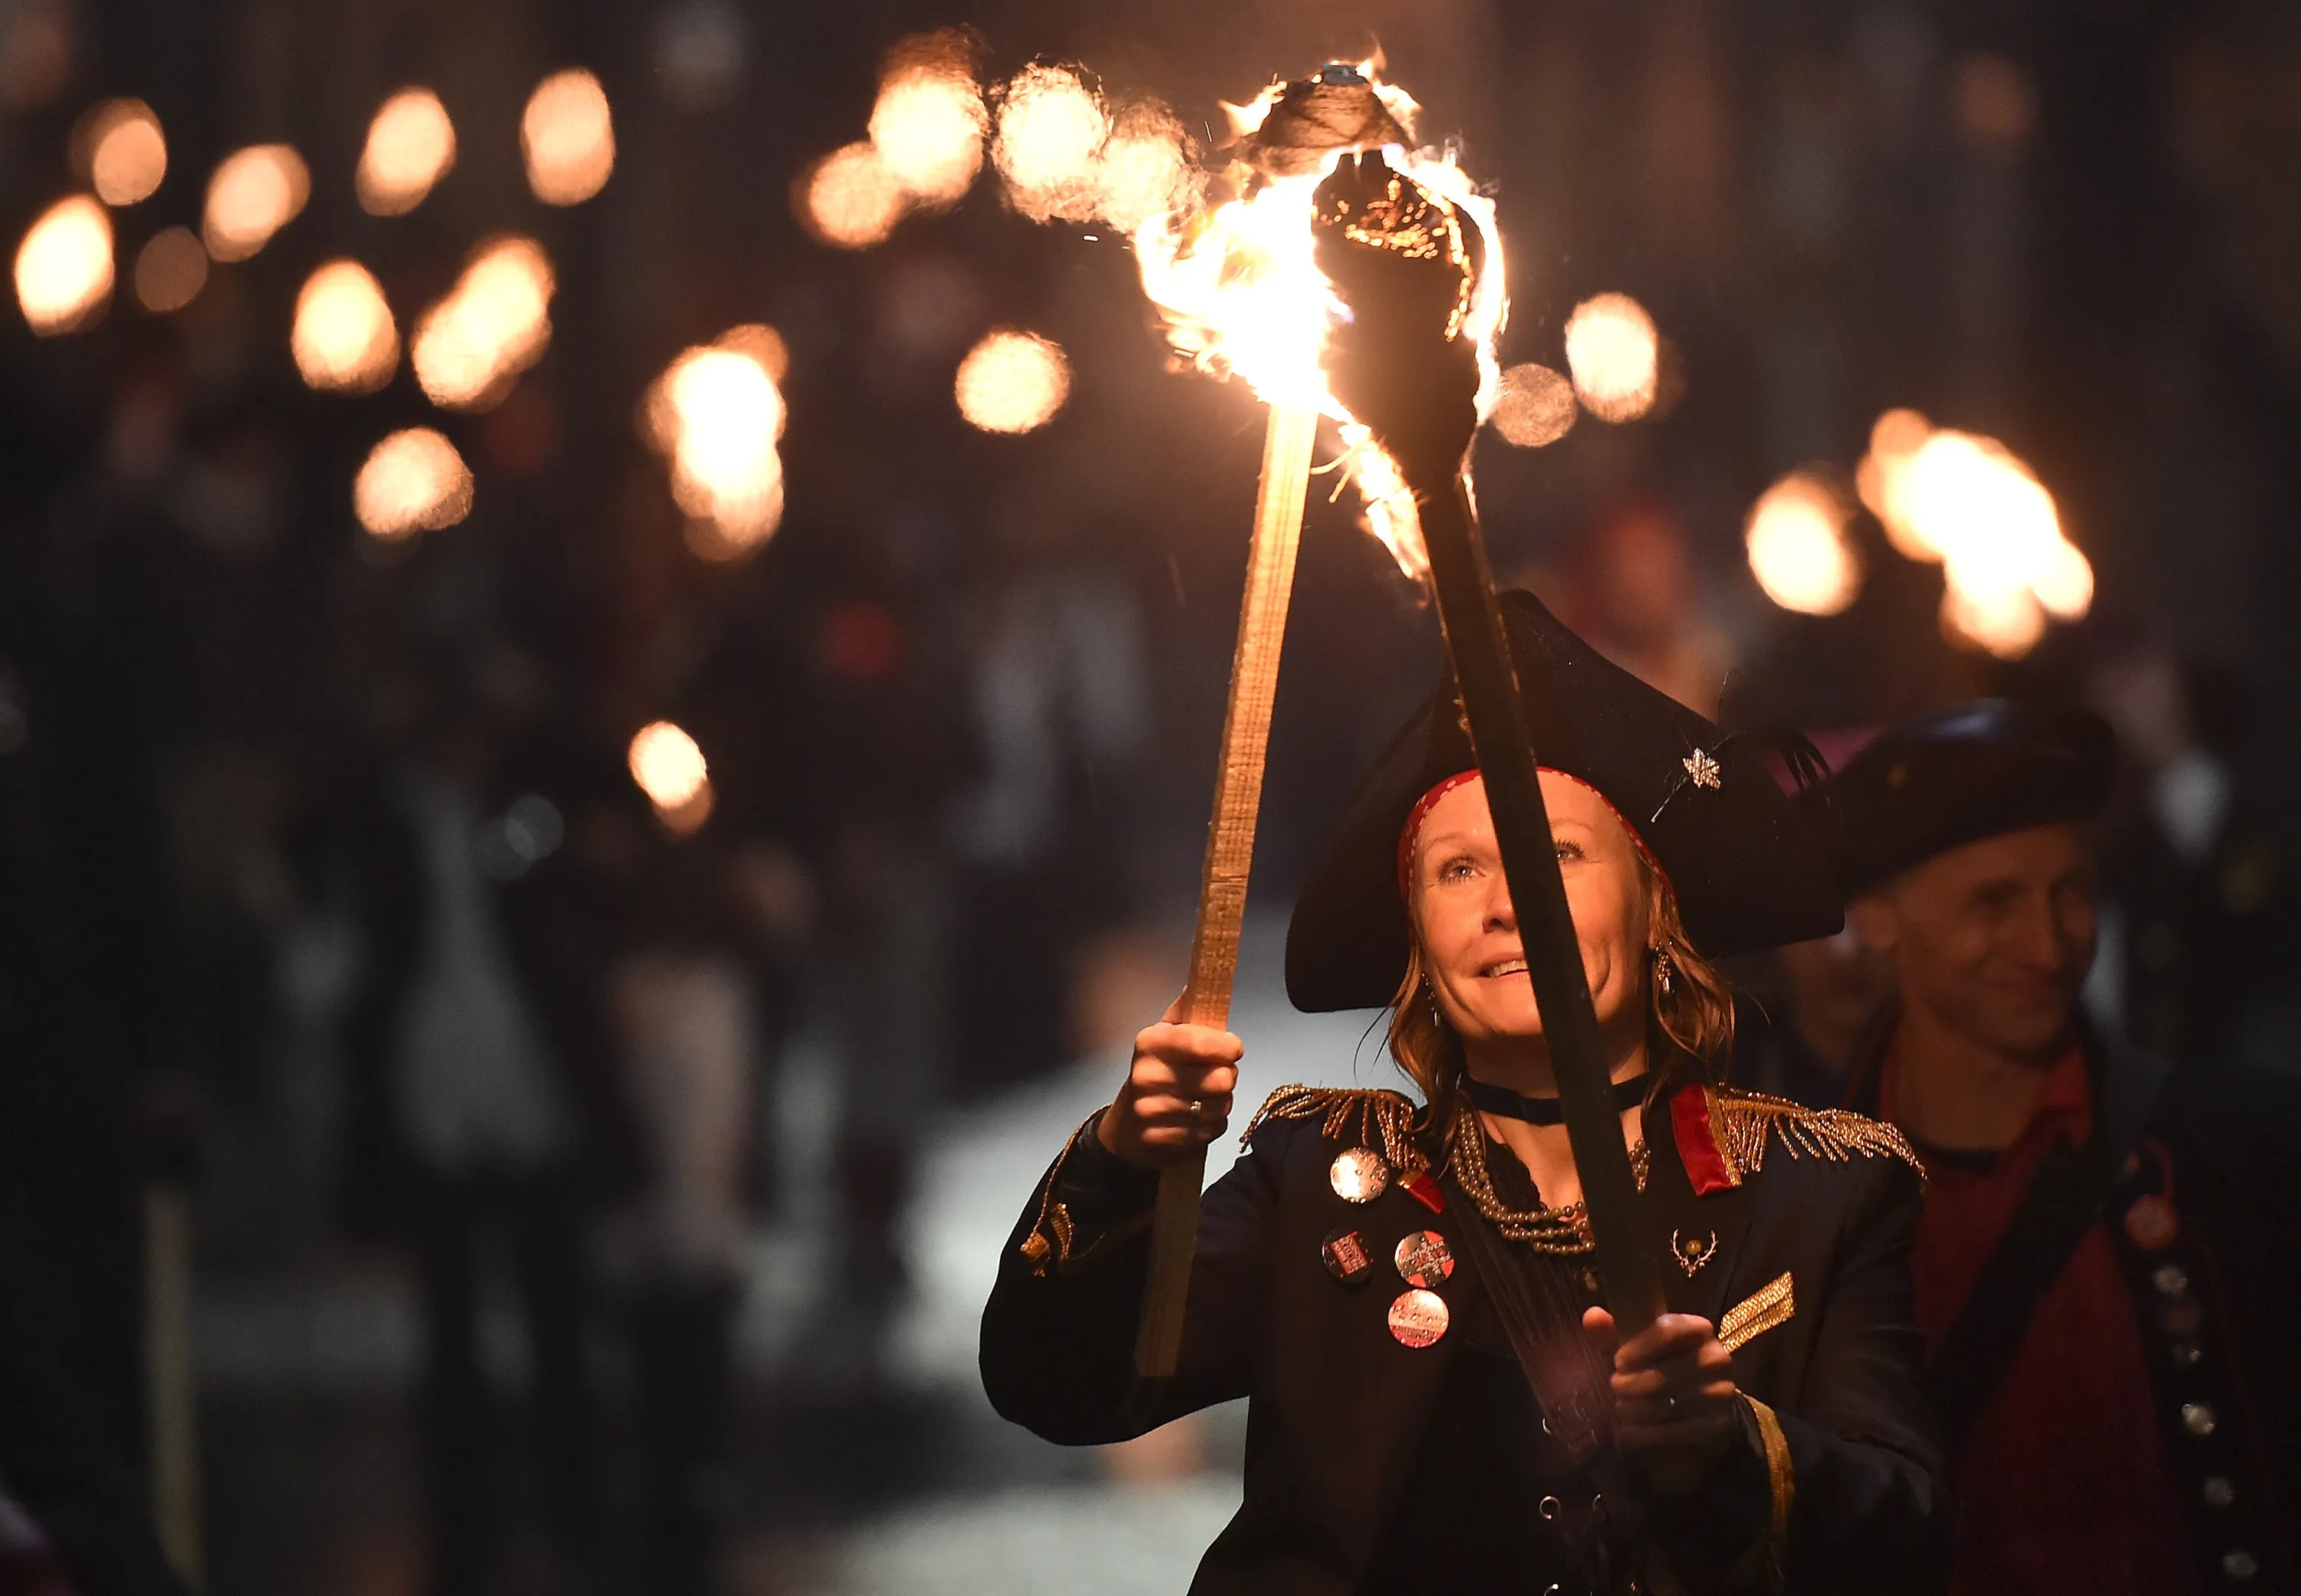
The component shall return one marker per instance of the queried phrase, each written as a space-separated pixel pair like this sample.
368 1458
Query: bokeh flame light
669 767
718 414
170 270
63 267
1972 504
1145 168
345 340
1012 381
1536 406
493 324
851 199
1798 548
928 127
411 146
1051 129
126 155
1615 354
413 482
254 193
1242 295
568 136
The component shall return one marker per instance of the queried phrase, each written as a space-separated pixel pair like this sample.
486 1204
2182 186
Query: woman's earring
1661 966
1431 994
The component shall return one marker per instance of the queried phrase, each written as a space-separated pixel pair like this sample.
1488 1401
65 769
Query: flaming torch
1326 181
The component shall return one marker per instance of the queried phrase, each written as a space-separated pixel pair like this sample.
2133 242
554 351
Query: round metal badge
1358 1175
1345 1254
1418 1318
1423 1259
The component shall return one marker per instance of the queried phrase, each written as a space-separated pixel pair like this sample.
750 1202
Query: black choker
1546 1111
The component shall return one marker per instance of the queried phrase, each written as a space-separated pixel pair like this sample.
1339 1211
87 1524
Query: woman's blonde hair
1689 1027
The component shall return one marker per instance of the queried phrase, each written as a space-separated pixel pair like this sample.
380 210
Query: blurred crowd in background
427 926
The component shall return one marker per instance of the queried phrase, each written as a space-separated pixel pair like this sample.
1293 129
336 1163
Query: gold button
2197 1418
2169 1280
2240 1564
2219 1492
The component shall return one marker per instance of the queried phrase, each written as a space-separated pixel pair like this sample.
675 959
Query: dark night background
960 711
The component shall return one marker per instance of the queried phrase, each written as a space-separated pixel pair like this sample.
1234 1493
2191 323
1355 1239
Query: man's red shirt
2064 1486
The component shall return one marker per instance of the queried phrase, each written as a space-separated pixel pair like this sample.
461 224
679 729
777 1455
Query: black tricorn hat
1748 868
1958 775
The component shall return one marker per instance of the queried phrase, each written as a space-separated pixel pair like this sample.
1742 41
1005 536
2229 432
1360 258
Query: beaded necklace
1563 1232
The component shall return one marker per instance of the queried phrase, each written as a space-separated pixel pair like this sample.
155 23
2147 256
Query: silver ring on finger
1670 1405
1197 1108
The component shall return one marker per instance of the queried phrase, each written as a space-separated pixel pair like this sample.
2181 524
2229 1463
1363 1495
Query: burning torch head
1406 265
1334 108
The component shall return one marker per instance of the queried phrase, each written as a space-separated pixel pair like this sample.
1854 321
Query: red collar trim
1696 1133
1413 829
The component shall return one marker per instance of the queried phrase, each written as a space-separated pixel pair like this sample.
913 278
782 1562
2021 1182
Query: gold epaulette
1744 1123
1359 1116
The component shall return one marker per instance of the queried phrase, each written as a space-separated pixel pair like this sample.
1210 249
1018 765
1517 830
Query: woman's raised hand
1176 1098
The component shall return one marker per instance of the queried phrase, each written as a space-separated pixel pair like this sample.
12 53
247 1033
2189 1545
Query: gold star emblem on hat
1702 769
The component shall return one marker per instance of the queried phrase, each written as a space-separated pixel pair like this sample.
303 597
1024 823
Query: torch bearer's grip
1499 735
1230 849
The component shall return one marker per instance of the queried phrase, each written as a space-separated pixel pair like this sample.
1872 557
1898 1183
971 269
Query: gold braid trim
1050 1239
1773 1304
1352 1117
1781 1479
1744 1123
1053 1241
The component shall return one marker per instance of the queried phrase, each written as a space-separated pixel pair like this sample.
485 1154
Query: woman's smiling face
1463 918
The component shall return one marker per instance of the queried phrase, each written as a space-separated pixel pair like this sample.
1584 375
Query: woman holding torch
1404 1286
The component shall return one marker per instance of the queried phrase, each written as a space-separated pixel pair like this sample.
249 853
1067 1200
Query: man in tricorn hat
2105 1267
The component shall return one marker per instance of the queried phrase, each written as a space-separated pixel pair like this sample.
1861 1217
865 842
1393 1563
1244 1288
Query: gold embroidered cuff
1053 1241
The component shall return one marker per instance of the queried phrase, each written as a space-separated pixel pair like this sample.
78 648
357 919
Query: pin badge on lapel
1345 1254
1358 1175
1417 1318
1693 1252
1423 1259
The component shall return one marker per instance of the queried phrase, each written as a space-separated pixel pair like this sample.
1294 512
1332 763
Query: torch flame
1242 295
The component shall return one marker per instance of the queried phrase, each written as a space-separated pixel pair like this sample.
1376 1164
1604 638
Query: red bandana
1412 830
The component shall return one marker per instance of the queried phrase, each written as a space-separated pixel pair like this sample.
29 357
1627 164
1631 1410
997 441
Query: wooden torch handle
1230 849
